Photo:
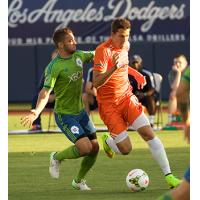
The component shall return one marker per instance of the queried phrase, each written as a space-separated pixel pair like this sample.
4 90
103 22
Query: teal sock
69 153
86 164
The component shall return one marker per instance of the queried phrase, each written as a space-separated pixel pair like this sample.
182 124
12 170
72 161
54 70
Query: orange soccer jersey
118 86
118 107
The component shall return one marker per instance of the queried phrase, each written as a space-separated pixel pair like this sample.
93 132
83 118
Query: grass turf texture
14 120
29 178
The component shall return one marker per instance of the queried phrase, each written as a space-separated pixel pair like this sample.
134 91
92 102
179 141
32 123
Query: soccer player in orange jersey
118 107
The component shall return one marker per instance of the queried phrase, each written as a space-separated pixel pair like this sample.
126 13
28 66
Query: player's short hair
60 35
120 23
180 55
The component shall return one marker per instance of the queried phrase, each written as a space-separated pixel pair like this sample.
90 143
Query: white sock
159 154
151 119
111 143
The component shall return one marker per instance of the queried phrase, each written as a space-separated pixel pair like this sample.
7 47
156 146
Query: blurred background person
182 192
179 65
148 95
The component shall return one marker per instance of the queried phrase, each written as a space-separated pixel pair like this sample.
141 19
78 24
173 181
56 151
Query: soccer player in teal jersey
182 192
64 75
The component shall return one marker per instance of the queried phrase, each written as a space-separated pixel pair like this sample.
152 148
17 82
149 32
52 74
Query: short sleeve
51 75
87 56
101 59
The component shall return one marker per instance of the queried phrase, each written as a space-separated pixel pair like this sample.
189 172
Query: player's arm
88 56
34 113
138 77
100 74
42 100
43 97
177 78
90 89
100 78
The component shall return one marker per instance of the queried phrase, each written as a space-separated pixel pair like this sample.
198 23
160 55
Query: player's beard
69 49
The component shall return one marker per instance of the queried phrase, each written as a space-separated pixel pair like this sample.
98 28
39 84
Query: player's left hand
29 119
141 81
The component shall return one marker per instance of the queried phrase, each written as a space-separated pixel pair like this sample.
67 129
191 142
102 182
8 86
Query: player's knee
85 150
95 148
146 133
125 150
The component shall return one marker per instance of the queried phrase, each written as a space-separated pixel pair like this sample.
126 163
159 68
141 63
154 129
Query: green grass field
29 179
29 160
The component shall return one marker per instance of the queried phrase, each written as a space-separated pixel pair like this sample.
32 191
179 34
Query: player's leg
117 141
74 132
119 144
138 120
88 160
86 164
182 192
141 124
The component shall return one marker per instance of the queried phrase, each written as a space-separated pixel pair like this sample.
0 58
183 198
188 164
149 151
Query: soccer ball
137 180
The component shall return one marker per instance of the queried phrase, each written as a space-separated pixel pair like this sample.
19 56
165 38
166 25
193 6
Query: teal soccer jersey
65 77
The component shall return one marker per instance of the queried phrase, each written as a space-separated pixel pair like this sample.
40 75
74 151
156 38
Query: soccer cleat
110 153
80 186
172 181
54 166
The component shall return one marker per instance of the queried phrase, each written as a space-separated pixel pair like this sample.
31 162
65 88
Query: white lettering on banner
149 14
100 39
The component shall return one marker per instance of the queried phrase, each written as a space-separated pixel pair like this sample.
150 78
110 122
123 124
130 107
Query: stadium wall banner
33 22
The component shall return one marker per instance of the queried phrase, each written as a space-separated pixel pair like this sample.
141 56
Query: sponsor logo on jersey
79 62
75 76
75 130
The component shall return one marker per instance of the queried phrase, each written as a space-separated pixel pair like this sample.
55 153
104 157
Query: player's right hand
115 60
30 118
177 68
